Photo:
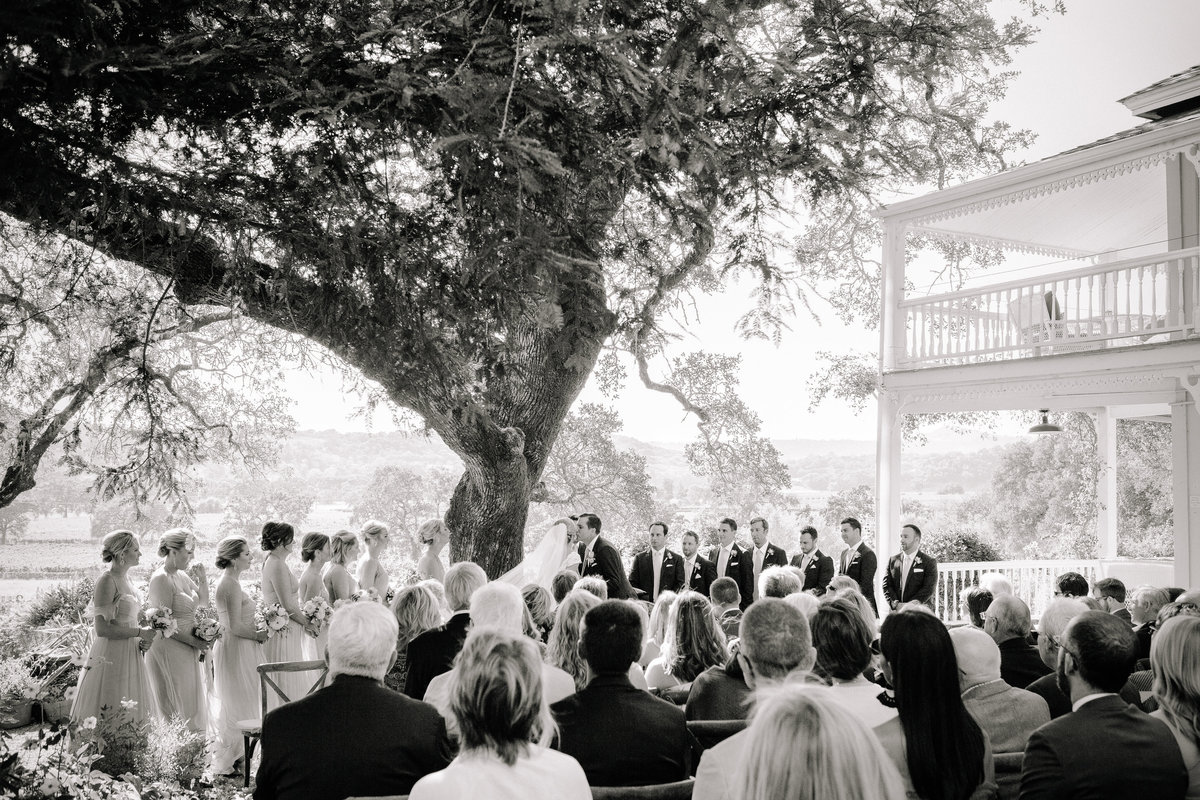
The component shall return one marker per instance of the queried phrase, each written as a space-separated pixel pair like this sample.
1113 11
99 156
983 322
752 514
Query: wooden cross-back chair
251 729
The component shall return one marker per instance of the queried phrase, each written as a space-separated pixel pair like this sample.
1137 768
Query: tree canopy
467 202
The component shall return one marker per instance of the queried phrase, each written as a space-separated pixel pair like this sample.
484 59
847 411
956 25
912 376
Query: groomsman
911 574
597 556
733 561
657 569
859 561
698 571
816 566
764 554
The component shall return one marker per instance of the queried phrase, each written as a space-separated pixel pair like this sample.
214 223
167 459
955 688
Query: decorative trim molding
1031 248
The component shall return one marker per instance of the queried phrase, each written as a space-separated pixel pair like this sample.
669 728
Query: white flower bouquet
208 625
369 595
162 620
318 611
272 618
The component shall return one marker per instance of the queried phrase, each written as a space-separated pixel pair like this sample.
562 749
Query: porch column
1185 472
887 485
1106 481
893 323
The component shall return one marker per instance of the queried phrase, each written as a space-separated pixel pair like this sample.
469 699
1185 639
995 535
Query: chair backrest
266 670
680 790
1031 312
676 694
710 732
1008 775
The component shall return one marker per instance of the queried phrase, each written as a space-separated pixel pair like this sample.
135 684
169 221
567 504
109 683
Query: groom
598 557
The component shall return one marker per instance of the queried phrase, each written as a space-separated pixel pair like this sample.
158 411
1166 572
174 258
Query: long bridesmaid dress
289 647
114 671
314 649
235 692
174 667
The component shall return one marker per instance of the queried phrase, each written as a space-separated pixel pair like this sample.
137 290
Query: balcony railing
1154 298
1033 582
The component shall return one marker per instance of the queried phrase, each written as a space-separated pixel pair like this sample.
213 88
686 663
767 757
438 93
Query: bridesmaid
315 551
279 586
339 583
173 665
236 656
434 535
371 573
114 672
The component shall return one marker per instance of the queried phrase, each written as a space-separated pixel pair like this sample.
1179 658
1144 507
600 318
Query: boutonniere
916 562
591 559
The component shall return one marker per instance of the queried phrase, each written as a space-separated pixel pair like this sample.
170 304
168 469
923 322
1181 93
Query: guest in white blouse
504 726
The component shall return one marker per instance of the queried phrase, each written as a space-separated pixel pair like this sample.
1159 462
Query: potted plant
17 691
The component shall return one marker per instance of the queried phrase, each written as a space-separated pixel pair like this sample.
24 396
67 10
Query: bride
557 551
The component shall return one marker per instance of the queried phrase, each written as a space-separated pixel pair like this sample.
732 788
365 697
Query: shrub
955 546
174 754
66 603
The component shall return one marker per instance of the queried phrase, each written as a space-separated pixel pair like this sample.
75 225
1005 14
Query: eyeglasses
1054 640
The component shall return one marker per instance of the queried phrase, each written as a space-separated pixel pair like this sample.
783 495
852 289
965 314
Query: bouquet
319 611
163 621
208 627
272 618
369 594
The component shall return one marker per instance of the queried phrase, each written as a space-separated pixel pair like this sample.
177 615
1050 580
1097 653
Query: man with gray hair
344 739
775 644
432 653
1008 715
778 582
1007 622
1144 604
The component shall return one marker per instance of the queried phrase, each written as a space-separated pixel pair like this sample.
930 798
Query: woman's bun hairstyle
116 544
230 549
173 540
311 543
275 534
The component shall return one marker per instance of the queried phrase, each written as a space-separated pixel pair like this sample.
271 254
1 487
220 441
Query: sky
1067 91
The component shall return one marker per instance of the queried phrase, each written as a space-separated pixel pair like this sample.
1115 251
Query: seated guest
720 692
805 602
842 638
1175 658
1050 628
541 609
727 605
1007 715
595 723
660 612
694 642
562 650
504 726
842 582
804 745
564 582
497 606
995 583
432 653
977 599
1008 624
774 644
417 610
1144 604
1104 747
778 582
935 743
1071 584
343 739
593 584
1110 594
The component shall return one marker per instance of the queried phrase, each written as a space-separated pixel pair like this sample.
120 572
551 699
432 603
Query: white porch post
1185 471
1106 488
887 485
892 323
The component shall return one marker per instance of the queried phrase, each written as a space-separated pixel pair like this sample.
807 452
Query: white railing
1113 304
1033 582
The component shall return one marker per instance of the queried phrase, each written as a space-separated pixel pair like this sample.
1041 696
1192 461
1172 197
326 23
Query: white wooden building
1104 316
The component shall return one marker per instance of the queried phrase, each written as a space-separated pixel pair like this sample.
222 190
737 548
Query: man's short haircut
778 582
362 639
612 637
766 526
1011 616
806 602
810 530
692 534
498 605
842 638
732 523
775 638
461 581
1105 648
995 582
1058 615
978 655
562 583
724 592
852 522
1071 584
1111 587
914 528
592 584
666 530
1150 596
591 521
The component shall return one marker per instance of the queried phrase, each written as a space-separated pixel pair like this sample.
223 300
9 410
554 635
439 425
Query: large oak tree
467 201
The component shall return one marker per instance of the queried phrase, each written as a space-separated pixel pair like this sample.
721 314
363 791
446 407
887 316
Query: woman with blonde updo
339 583
114 672
371 572
173 664
236 656
433 535
315 551
279 587
417 610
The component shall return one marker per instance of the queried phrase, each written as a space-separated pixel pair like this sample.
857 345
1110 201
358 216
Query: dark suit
1123 613
606 563
670 575
1046 687
354 737
861 568
922 580
819 572
623 736
433 652
1106 749
1144 632
1020 663
772 557
704 572
740 568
